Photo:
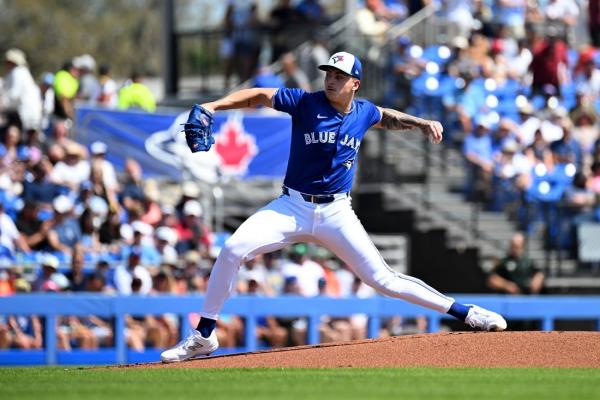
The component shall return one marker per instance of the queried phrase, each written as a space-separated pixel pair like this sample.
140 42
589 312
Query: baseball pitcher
327 130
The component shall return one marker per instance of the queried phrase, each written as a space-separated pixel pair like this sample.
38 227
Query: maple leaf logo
235 147
337 58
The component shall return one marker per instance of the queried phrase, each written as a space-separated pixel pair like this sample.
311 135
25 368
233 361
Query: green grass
63 383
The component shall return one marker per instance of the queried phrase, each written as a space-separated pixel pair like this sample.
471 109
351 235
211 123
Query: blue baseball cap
345 62
404 41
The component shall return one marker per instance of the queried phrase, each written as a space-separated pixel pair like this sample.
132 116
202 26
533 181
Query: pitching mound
457 349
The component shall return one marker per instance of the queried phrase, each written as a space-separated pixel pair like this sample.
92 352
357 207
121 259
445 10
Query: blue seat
509 90
538 102
432 53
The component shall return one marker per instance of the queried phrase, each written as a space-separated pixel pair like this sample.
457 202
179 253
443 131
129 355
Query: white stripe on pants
290 219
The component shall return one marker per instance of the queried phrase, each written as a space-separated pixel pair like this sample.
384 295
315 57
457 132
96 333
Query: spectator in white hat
98 151
89 87
73 170
189 191
49 271
193 234
21 94
166 238
65 232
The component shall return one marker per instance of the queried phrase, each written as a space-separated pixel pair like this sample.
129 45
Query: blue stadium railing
51 306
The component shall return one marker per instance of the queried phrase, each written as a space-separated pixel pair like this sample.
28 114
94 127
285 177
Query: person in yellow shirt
66 84
136 95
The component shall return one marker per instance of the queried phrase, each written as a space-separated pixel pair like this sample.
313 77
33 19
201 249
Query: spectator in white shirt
20 93
73 170
108 88
98 151
124 274
10 237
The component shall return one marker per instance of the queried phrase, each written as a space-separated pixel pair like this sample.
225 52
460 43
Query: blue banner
247 145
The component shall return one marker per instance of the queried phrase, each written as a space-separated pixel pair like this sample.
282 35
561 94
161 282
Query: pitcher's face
339 86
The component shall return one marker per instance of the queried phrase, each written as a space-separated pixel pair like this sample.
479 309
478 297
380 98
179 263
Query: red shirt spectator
192 233
549 57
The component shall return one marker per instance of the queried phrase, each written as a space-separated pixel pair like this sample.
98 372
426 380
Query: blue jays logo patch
348 163
335 59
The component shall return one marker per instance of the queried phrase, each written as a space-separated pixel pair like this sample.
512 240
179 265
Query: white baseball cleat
484 319
192 346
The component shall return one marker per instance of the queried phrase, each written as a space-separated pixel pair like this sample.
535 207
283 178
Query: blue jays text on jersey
325 143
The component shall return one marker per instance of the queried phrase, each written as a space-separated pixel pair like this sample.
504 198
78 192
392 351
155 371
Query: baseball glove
198 129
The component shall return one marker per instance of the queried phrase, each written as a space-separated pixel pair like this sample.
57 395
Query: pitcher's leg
346 237
270 229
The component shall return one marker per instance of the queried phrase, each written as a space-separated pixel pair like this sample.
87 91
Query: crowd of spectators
285 27
70 221
521 99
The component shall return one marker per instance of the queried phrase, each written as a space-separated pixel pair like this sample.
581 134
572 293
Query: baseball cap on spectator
62 204
15 56
49 260
76 62
21 285
48 78
142 227
190 189
167 209
192 257
163 233
526 108
404 41
126 232
559 112
167 234
151 191
170 259
98 148
345 62
483 121
254 276
460 42
192 208
86 62
98 206
72 149
510 146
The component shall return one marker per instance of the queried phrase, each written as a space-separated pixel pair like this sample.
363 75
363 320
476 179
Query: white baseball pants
291 219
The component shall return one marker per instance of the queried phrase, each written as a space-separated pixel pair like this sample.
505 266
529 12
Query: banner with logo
247 145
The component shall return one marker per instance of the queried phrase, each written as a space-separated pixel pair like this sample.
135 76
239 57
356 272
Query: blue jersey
325 143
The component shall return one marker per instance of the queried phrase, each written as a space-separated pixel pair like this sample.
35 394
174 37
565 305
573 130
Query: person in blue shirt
477 150
328 127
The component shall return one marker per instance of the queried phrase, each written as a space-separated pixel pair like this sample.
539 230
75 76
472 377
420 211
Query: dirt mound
457 349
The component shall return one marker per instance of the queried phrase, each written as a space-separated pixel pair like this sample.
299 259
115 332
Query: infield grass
64 383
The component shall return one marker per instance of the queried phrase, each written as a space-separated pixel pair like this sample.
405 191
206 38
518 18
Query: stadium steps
440 189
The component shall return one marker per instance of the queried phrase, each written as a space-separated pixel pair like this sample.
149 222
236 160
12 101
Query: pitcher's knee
232 252
387 283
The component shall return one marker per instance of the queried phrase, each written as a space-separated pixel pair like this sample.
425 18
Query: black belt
312 198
